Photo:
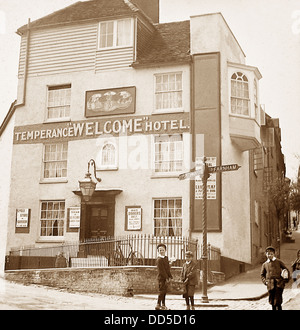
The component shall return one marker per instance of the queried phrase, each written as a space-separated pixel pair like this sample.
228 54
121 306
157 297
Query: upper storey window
59 100
113 34
240 94
168 91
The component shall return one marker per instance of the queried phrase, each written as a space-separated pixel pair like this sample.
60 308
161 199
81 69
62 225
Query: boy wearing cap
163 276
189 279
271 275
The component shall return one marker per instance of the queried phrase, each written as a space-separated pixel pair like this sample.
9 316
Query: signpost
204 173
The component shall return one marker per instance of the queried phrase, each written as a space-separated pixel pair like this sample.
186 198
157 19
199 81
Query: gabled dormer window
114 34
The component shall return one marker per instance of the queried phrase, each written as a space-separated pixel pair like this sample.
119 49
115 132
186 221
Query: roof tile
170 43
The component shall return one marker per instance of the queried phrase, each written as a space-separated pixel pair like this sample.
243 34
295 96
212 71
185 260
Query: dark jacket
189 273
163 268
296 264
271 272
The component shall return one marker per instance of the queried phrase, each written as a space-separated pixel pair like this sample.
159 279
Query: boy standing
271 276
164 276
189 278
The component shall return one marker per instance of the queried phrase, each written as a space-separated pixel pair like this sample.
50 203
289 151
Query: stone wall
125 281
112 280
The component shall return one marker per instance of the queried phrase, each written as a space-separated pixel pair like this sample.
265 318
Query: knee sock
192 301
160 299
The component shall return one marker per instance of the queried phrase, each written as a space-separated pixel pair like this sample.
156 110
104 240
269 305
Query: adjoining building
104 80
6 142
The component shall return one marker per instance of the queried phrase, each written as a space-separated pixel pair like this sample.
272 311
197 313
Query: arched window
108 155
240 94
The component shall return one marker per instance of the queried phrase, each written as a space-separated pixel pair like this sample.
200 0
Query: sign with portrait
106 102
133 218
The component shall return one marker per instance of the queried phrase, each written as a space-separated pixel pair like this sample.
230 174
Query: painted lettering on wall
93 129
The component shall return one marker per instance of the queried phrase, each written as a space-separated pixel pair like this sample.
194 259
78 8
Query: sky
267 30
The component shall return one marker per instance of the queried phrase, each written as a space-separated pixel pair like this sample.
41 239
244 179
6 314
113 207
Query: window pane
168 91
239 94
168 217
52 218
168 153
123 32
59 100
55 160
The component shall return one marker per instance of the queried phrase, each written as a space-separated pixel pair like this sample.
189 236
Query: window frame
100 158
247 99
177 219
59 228
169 160
169 91
48 107
44 162
115 34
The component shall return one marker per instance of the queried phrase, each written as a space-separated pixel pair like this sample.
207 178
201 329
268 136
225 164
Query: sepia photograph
149 157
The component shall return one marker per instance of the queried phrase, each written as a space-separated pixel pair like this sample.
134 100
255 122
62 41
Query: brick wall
112 280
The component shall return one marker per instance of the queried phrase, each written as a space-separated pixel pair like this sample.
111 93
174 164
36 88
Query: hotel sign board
114 101
95 128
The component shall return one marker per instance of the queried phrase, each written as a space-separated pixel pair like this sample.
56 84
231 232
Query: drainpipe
192 145
14 106
26 67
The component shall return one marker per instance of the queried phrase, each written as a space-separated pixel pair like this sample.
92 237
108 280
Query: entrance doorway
100 221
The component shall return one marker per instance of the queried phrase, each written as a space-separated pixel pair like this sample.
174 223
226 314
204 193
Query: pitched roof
170 43
8 117
80 11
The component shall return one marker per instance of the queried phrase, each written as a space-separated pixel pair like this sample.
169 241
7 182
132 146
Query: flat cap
270 248
163 245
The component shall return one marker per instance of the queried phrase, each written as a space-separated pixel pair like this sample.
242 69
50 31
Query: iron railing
109 251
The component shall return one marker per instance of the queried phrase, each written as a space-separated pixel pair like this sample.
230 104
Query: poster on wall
74 217
211 182
106 102
133 218
22 218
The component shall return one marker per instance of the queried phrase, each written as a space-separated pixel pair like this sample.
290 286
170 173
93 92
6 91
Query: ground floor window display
168 217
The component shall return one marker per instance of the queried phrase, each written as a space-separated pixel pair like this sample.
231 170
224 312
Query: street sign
190 175
223 168
211 169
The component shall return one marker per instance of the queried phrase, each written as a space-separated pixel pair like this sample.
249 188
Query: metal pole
204 233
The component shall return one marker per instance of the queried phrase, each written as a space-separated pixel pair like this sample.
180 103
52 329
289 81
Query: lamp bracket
92 162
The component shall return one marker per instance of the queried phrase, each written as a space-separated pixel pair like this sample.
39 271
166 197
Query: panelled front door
100 220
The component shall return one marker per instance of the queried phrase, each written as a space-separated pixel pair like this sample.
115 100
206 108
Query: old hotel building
104 80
